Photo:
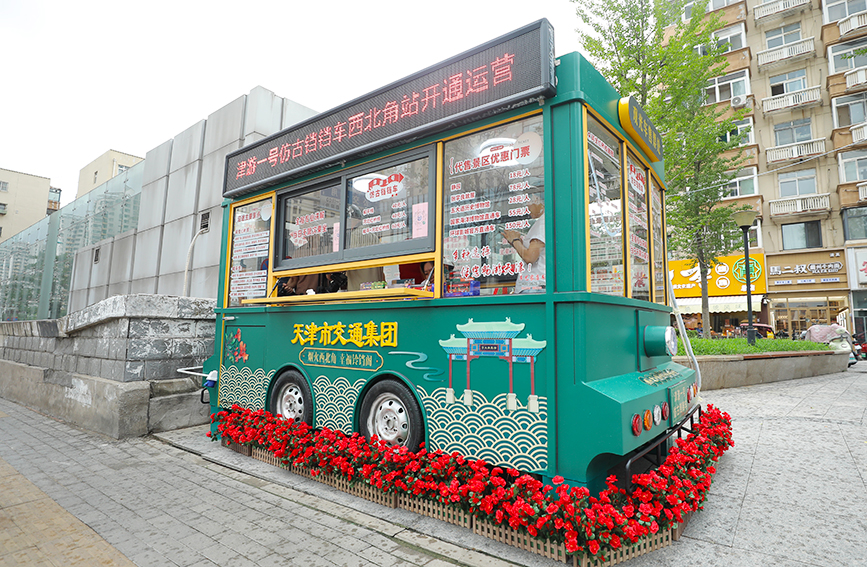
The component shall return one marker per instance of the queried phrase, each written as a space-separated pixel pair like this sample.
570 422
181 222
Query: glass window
844 56
659 271
853 166
251 242
388 206
724 88
850 110
494 211
802 235
4 186
855 223
792 132
839 9
743 130
729 39
687 9
606 217
789 82
311 224
2 208
794 183
744 183
783 35
639 247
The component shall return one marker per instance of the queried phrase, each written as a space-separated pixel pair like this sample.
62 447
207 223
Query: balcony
852 25
802 205
859 133
856 79
791 152
811 96
852 194
792 52
773 11
862 191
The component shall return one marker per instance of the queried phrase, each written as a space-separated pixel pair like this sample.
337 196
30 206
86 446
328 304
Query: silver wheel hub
388 420
291 403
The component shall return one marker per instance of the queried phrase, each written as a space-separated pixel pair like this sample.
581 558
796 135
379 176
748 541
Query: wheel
291 398
390 412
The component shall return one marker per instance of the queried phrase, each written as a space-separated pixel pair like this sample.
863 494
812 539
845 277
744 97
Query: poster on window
251 243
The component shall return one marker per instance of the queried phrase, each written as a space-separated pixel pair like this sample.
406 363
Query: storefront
807 288
856 259
726 290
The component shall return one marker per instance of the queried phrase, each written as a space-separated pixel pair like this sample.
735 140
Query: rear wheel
390 412
291 398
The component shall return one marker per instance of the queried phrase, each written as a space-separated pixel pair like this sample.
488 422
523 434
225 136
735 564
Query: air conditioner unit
738 101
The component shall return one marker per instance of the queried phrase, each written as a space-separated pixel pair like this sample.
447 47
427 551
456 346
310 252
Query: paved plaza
790 493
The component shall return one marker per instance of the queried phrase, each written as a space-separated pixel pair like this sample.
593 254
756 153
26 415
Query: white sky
85 77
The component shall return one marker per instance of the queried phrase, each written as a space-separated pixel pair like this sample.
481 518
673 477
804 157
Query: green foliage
740 346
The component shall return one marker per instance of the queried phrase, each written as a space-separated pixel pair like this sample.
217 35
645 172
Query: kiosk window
659 272
493 211
310 223
389 205
251 240
606 217
639 247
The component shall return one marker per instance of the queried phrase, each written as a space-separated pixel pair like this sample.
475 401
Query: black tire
291 398
390 412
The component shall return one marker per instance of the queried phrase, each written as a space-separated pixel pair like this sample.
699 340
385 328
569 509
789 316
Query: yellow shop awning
719 304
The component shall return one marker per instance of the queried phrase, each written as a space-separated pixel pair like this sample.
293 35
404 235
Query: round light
648 420
665 410
657 415
670 341
636 425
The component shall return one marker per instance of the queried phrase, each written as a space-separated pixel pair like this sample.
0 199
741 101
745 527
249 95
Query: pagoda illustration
497 339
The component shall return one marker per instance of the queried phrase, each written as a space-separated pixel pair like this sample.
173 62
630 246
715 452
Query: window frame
4 186
841 49
738 178
847 235
804 224
837 102
343 255
786 81
842 160
797 179
793 125
729 79
783 35
826 8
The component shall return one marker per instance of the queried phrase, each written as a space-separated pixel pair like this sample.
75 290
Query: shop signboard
728 277
508 72
806 271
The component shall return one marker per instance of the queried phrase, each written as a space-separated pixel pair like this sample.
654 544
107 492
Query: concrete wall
182 181
112 367
734 371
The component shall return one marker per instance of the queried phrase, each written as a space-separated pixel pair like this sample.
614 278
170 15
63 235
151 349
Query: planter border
432 509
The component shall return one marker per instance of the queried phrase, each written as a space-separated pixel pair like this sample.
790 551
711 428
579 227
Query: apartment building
797 66
24 200
103 168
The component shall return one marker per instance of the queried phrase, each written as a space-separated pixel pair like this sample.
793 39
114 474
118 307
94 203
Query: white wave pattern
487 430
243 386
335 402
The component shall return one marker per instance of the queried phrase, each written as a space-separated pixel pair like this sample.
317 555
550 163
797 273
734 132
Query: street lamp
745 219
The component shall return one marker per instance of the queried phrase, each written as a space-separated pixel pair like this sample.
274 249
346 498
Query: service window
659 271
251 239
639 247
389 210
605 211
311 225
494 211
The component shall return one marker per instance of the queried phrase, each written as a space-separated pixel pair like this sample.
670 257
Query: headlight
670 341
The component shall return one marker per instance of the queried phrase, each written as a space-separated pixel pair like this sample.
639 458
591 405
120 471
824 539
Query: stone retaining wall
733 371
113 366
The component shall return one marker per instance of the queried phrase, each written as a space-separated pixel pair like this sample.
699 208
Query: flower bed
556 521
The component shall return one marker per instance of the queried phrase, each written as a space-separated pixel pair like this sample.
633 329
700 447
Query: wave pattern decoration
422 357
244 386
335 402
488 430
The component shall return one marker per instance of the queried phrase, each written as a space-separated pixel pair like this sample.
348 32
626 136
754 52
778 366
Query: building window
744 183
793 132
849 110
743 131
839 9
789 82
95 174
794 183
724 88
802 235
853 166
1 231
843 56
729 39
4 186
2 208
855 223
783 35
121 168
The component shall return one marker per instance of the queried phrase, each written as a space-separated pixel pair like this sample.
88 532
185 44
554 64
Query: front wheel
291 398
390 412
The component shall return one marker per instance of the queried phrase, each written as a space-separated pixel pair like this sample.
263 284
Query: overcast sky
84 77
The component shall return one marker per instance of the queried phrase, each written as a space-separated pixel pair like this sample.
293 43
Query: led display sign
504 73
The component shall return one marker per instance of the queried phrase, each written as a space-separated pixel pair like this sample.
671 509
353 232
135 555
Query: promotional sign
726 278
638 125
802 271
512 70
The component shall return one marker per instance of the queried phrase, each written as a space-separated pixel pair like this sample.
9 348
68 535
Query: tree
644 49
